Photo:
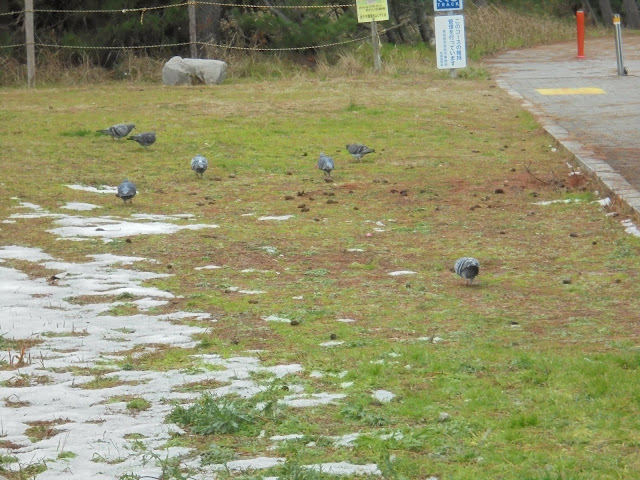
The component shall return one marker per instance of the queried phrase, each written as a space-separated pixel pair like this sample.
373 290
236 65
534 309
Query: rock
187 71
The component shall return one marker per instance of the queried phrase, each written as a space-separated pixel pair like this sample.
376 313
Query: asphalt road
584 104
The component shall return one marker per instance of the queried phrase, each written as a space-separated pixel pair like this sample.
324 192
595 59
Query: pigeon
119 130
126 191
199 164
358 151
325 164
467 267
145 139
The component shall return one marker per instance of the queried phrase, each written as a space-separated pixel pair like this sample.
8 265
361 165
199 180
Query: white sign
444 5
451 51
372 10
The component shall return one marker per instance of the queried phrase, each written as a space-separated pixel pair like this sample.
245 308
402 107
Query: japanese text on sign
451 49
372 10
442 5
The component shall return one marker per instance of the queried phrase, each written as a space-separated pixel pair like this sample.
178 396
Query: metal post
580 28
30 42
618 38
375 42
192 30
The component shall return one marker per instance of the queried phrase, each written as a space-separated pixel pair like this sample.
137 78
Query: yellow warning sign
570 91
372 10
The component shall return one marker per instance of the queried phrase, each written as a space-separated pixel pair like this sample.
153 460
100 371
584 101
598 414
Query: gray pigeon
358 151
468 268
119 130
325 164
199 164
126 191
145 139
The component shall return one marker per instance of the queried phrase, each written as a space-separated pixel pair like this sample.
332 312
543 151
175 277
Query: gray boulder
189 71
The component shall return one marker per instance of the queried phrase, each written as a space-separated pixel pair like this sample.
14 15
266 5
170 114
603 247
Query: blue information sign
444 5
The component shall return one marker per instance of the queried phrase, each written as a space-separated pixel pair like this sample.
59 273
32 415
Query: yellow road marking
570 91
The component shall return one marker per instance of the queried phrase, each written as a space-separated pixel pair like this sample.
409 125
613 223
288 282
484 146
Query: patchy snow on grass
383 396
276 318
278 218
402 272
258 463
630 228
246 292
331 343
82 336
108 228
311 400
551 202
346 468
79 206
208 267
161 218
100 189
83 370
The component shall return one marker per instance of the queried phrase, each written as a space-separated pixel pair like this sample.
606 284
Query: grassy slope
554 396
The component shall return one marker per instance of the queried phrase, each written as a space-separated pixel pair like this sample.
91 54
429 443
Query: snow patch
402 272
79 206
108 228
100 189
346 468
275 318
383 396
630 228
276 218
208 267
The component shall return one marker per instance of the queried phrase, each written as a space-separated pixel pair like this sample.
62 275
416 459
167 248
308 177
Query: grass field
530 373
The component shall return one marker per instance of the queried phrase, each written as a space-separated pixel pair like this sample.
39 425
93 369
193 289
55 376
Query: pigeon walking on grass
126 191
199 164
468 268
358 151
119 130
325 164
145 139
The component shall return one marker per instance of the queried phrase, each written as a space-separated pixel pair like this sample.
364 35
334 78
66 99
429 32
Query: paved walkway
598 118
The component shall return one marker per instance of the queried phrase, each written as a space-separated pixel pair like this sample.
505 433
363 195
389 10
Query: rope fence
162 7
29 12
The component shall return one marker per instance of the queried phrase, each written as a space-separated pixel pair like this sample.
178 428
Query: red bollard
580 25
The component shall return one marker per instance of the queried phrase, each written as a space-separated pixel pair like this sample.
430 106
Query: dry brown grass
491 29
488 30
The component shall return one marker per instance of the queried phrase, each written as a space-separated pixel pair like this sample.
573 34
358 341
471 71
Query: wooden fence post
30 43
192 30
375 42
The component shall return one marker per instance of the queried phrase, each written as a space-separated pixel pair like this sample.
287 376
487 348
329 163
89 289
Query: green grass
538 377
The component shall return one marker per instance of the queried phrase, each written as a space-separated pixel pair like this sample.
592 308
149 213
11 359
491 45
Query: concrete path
584 104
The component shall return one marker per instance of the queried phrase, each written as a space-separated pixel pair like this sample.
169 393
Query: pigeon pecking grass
199 164
126 191
145 139
468 268
358 150
118 131
325 164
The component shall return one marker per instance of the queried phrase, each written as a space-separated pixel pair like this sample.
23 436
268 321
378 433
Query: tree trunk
632 14
424 27
607 13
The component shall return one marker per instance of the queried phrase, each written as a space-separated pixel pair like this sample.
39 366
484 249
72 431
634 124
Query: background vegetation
531 374
489 29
